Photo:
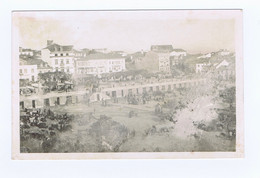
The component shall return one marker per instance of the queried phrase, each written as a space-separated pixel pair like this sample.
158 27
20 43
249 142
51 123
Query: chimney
49 42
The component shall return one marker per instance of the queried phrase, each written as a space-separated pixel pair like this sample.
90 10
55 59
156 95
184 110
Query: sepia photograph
127 84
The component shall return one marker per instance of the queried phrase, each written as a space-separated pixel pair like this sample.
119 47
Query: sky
130 31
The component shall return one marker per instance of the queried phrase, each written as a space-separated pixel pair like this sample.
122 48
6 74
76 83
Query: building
223 52
204 56
225 70
201 67
26 52
148 61
43 67
100 63
163 52
162 48
156 60
28 71
101 50
164 62
60 58
178 53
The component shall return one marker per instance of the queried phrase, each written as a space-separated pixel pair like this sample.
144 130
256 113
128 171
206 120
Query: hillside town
100 100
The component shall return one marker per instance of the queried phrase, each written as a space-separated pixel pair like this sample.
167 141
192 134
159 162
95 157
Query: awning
68 83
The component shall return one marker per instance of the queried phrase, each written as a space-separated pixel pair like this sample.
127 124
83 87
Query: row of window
99 63
62 69
25 71
157 88
61 61
61 54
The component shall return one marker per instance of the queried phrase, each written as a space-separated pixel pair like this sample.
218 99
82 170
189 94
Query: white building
222 63
223 52
208 55
60 58
44 67
163 52
27 52
100 63
29 72
164 62
178 53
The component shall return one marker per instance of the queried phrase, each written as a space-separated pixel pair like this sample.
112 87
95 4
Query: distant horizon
128 31
131 52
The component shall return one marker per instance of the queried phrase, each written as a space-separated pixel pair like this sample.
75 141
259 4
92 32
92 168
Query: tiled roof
56 47
34 61
97 56
162 48
179 50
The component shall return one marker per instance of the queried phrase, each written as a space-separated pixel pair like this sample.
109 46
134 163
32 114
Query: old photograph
127 84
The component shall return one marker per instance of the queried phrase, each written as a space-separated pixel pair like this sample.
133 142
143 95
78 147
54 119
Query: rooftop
97 56
162 48
56 47
179 50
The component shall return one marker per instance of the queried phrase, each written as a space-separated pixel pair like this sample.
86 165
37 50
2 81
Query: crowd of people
42 125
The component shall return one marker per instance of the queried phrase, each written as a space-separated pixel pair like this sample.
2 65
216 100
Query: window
61 54
56 61
163 87
25 71
68 69
21 71
67 61
32 71
56 54
56 69
67 54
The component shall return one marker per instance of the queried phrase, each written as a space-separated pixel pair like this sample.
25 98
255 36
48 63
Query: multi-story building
27 71
100 63
26 52
60 58
163 52
43 67
177 55
164 62
223 52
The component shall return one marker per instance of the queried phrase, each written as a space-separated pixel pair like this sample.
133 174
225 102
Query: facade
28 72
163 52
104 93
99 63
148 61
223 52
178 53
44 67
60 58
201 67
162 48
205 56
101 50
26 52
164 62
154 60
